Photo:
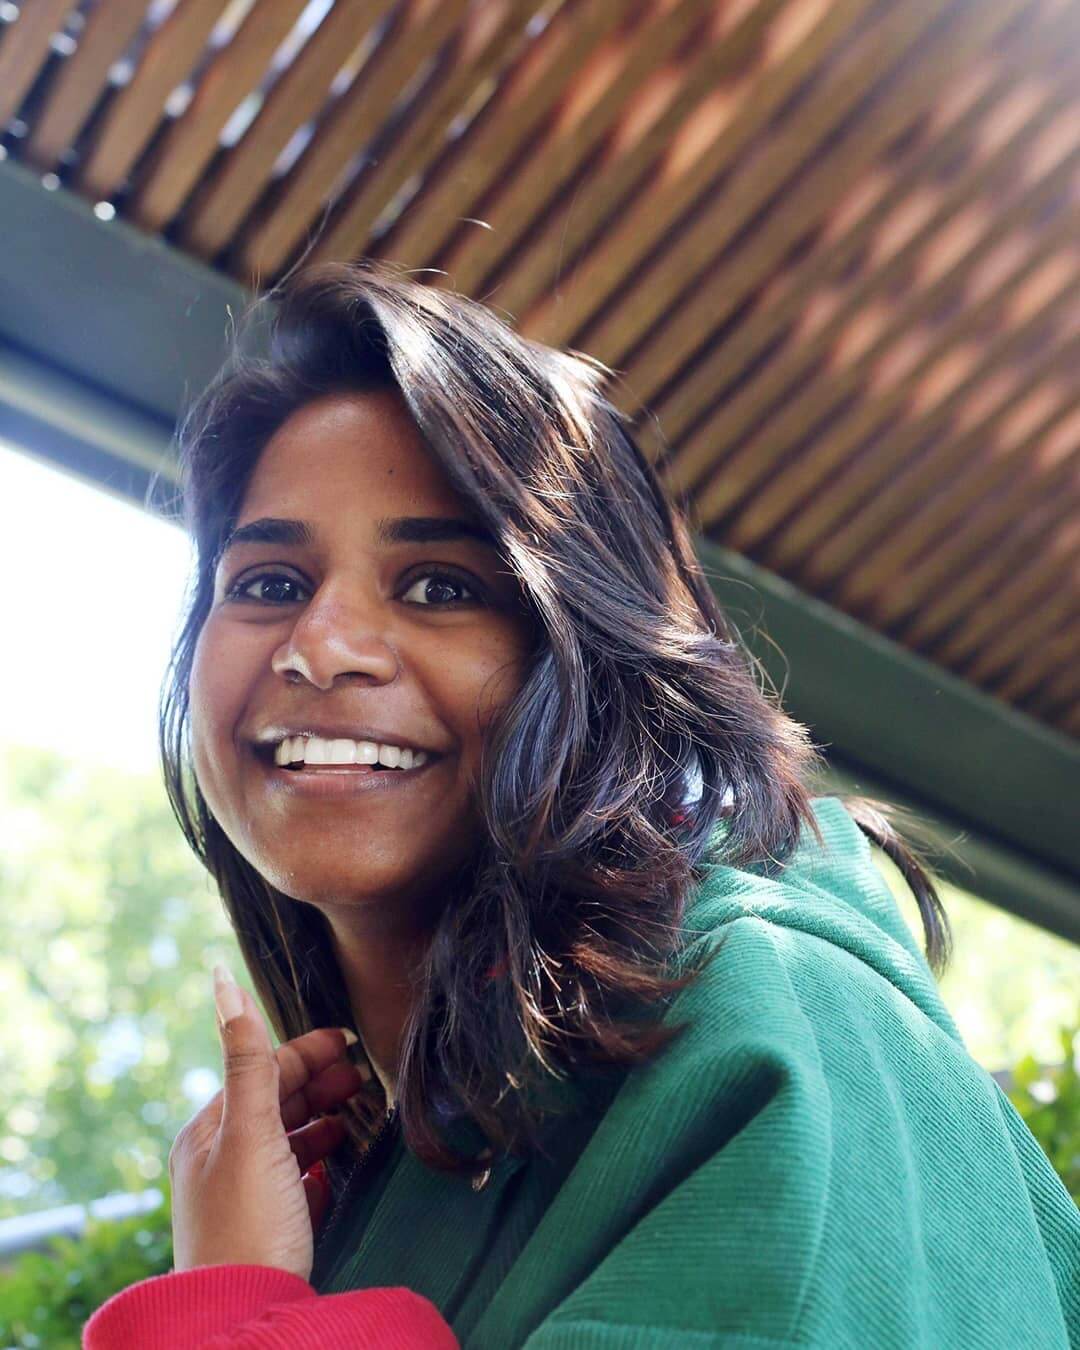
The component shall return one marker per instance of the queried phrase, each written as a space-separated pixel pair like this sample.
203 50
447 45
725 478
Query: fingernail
227 996
350 1036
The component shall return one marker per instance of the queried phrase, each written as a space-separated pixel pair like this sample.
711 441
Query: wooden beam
518 108
132 117
191 141
111 27
25 49
484 49
686 176
425 27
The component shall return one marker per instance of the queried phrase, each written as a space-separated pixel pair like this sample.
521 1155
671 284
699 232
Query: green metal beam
116 309
106 332
925 735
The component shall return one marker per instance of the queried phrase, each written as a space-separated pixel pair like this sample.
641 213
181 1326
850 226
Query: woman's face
352 604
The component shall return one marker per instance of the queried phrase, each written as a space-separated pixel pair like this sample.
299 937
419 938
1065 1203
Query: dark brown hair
639 728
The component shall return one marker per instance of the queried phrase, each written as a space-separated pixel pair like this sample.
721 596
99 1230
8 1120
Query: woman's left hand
242 1191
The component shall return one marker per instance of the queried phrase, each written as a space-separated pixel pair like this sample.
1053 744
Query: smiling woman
485 778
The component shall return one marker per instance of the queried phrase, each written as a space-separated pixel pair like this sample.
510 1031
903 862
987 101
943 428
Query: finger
317 1191
251 1066
326 1092
312 1142
306 1056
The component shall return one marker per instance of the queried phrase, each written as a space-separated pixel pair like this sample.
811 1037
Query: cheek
494 681
210 705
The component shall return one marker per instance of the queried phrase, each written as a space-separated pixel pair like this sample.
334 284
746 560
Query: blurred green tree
108 932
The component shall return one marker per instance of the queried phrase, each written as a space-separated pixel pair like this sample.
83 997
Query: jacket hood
833 891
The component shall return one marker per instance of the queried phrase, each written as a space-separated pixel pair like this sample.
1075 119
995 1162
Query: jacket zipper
348 1188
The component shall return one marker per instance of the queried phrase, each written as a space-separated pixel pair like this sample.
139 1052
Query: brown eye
271 588
436 588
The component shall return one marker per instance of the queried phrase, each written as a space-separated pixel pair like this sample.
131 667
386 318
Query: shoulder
819 931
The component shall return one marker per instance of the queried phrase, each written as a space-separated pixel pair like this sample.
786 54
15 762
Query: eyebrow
390 530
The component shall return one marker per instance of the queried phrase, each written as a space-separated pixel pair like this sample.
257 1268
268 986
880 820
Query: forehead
355 449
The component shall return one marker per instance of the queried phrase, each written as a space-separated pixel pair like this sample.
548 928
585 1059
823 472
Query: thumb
251 1067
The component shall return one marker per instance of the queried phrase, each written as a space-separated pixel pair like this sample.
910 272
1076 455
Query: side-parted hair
639 728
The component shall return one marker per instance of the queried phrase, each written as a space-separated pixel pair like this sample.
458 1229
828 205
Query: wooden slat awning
830 245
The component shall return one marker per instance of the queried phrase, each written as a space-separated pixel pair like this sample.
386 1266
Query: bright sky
93 589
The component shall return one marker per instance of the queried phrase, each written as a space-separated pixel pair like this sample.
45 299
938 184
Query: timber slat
190 142
413 152
296 98
137 108
734 280
677 186
509 120
25 49
110 28
751 463
351 124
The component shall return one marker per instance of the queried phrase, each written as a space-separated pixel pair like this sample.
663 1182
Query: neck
377 967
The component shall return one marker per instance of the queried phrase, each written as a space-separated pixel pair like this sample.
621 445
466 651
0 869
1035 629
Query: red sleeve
261 1308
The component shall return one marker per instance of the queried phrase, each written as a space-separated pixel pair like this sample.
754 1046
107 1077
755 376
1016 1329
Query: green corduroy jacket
817 1162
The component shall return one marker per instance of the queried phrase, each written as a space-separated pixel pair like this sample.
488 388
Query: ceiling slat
133 116
672 276
25 49
755 400
934 592
1059 693
875 202
189 144
854 479
421 141
509 120
879 546
934 526
352 122
875 566
821 513
674 190
827 396
1049 655
734 280
294 100
981 638
525 199
521 264
1027 615
110 28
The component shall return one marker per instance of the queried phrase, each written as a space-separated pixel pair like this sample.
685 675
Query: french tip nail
227 995
351 1038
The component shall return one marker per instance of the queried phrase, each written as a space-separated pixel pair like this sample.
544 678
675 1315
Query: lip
345 780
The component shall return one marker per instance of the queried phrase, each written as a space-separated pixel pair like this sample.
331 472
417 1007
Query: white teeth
318 750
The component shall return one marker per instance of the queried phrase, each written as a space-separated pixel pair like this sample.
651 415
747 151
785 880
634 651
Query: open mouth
266 755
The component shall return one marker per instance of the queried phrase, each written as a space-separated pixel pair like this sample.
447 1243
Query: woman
645 1054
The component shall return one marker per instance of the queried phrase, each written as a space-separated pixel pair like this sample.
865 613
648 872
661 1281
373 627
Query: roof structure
829 246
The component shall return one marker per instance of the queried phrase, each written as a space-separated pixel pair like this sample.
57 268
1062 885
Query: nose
336 636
